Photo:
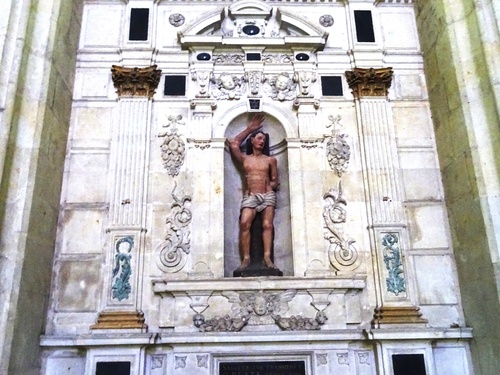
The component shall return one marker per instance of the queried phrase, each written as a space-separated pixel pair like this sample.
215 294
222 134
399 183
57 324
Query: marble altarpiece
148 238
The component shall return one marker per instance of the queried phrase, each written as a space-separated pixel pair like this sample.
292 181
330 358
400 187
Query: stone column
387 222
127 206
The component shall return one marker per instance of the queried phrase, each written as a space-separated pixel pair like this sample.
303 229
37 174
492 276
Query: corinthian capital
135 81
369 82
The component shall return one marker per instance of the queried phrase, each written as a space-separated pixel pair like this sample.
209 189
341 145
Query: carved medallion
369 82
326 20
176 19
133 82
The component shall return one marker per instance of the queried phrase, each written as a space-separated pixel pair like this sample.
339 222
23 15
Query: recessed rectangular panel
253 57
364 26
139 19
408 364
175 85
263 368
331 86
112 368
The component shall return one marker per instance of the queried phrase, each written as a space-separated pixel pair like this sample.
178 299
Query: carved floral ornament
369 82
135 82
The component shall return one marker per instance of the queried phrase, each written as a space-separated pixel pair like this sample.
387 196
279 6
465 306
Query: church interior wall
37 60
464 101
88 236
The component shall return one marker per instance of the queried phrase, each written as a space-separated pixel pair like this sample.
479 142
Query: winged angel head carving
260 304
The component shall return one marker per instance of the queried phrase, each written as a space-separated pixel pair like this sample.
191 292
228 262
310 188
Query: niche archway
233 192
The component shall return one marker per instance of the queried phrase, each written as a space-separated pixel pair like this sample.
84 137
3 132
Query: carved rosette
135 82
172 253
342 253
369 82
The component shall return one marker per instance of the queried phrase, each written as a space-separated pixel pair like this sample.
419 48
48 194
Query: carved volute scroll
138 82
369 82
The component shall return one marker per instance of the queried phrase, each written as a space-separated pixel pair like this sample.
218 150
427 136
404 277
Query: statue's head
256 139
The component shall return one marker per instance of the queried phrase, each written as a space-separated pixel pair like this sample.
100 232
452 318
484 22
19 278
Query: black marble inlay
203 56
263 368
302 56
251 29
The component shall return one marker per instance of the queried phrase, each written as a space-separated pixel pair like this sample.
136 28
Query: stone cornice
369 82
135 82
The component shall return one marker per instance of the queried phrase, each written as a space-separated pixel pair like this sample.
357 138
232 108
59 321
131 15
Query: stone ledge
258 283
218 338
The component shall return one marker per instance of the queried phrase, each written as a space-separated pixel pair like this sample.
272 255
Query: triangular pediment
252 22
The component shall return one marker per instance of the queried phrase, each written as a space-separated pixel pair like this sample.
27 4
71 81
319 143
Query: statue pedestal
257 266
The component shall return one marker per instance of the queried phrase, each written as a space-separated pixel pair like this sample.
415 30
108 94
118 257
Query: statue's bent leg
246 218
267 234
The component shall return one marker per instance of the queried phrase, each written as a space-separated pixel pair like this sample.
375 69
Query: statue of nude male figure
262 181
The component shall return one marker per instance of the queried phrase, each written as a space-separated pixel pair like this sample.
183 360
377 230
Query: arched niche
233 193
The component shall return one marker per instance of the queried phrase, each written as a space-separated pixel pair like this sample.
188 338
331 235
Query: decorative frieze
369 82
133 82
228 86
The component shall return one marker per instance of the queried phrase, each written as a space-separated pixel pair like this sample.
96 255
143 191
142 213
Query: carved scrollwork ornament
173 148
342 253
172 253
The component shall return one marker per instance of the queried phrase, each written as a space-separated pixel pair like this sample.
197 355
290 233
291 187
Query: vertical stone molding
129 162
387 222
307 108
202 112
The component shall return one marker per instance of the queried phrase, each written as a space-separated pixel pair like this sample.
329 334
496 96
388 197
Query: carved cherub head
198 320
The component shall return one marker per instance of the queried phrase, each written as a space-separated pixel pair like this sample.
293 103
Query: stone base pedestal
121 320
397 315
